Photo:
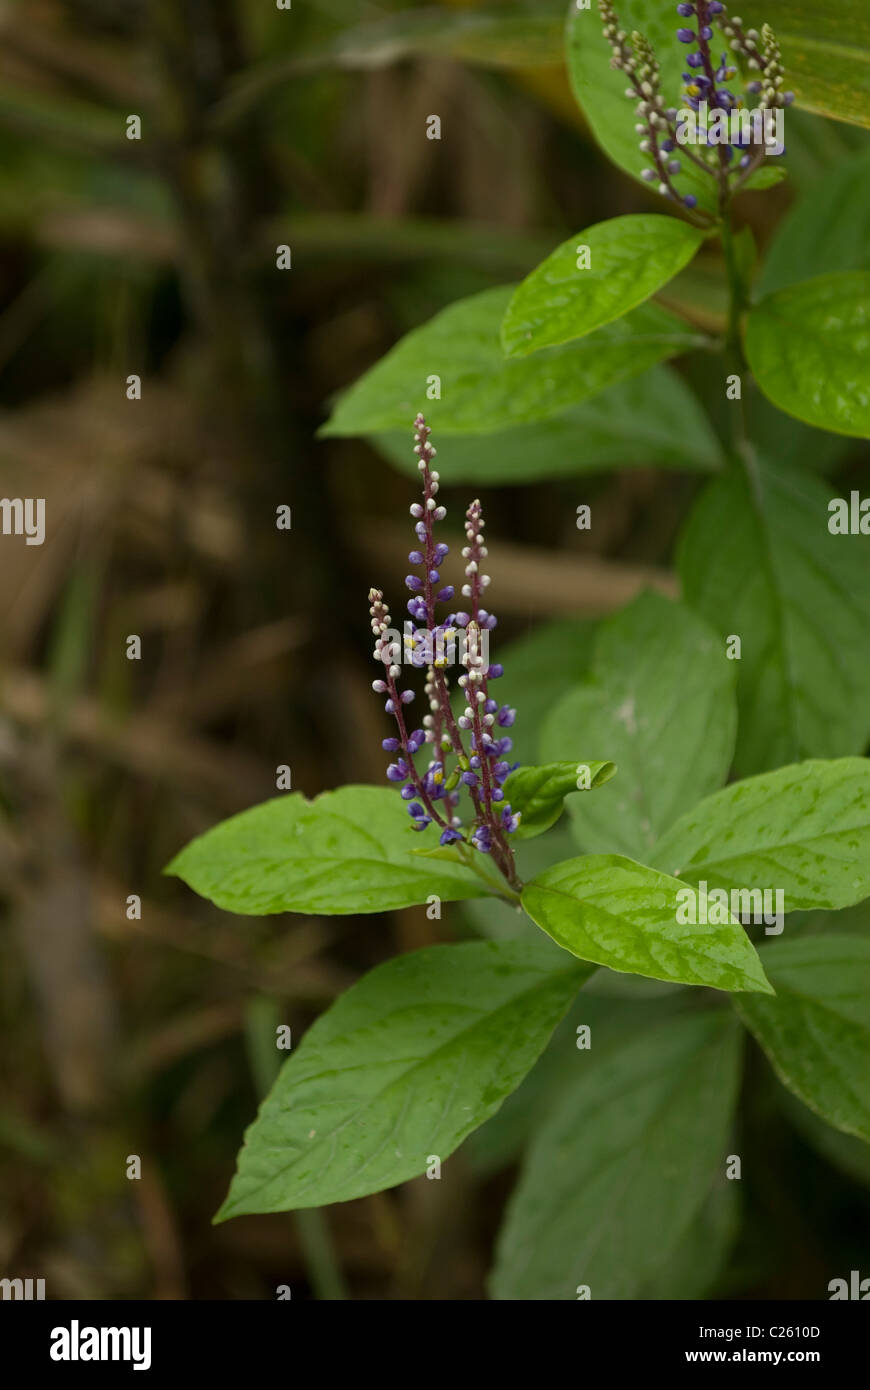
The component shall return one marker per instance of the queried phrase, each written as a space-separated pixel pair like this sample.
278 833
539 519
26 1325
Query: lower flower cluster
468 752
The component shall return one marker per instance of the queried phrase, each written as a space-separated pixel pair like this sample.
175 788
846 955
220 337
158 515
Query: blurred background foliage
156 257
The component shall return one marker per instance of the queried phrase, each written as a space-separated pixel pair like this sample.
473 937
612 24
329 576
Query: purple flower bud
448 836
690 200
389 707
686 35
390 745
686 10
461 619
407 792
421 823
416 810
444 595
468 779
695 60
706 32
495 671
415 557
434 576
490 707
674 166
788 98
407 696
413 581
441 550
397 772
506 716
667 146
420 531
715 7
509 820
482 839
416 509
416 740
497 794
379 687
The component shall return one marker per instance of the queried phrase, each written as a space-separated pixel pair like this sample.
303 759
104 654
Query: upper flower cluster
481 767
706 86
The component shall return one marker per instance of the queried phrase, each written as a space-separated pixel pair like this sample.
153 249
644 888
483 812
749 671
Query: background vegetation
157 257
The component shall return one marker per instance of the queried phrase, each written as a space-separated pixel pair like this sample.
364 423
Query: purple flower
686 35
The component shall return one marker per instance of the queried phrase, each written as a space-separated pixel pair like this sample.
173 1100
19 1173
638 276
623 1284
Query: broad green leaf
404 1065
479 390
756 559
618 913
660 702
539 792
809 348
653 420
825 53
595 277
611 1023
692 1268
816 1030
828 229
804 829
618 1173
346 851
539 668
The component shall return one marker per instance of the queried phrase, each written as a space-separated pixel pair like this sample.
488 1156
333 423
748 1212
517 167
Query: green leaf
660 701
828 229
533 681
825 52
618 1173
756 559
809 348
804 829
403 1066
480 391
692 1268
816 1031
600 90
618 913
346 851
539 792
653 420
611 1023
595 277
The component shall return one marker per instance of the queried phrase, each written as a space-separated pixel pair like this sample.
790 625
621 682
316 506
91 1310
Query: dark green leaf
756 559
650 421
660 702
402 1067
618 1173
347 851
480 391
816 1030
